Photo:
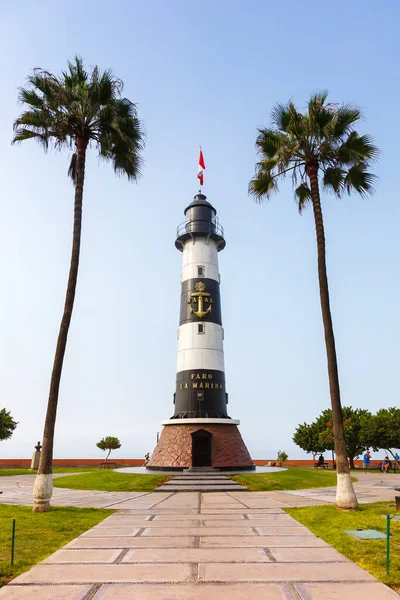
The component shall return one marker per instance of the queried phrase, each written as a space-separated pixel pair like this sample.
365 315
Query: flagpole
200 182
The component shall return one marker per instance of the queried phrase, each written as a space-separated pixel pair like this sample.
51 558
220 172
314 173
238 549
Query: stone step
201 482
201 470
201 478
202 488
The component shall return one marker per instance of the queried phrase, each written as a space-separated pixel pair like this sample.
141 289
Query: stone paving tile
122 531
274 530
59 592
105 574
166 531
150 524
346 571
348 591
296 541
238 517
163 511
83 556
132 542
262 503
268 514
122 518
192 592
196 555
254 523
234 511
307 554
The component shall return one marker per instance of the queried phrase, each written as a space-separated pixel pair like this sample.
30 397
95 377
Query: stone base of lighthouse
201 443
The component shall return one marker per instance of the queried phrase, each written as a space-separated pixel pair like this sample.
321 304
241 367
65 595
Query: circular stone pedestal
174 449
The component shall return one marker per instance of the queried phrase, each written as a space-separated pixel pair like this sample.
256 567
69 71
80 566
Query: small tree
308 438
282 456
383 430
318 436
109 443
7 424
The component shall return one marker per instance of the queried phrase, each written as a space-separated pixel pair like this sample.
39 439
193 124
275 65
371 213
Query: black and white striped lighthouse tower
200 433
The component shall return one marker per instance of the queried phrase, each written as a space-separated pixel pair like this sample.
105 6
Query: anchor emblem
202 296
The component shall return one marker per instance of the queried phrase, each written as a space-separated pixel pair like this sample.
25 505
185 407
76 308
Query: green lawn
327 522
109 481
292 479
7 472
40 534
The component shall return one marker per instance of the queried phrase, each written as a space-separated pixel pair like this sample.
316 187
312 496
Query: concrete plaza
193 545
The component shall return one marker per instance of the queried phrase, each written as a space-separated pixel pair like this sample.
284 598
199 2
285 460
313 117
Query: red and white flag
201 167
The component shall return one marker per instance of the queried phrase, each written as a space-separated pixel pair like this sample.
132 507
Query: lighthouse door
201 448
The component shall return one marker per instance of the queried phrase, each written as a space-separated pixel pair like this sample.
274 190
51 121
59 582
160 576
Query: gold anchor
200 294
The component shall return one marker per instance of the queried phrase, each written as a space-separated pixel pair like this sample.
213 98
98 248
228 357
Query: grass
328 522
292 479
40 534
8 472
109 481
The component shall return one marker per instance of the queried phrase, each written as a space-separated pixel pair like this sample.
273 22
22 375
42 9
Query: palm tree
76 110
319 147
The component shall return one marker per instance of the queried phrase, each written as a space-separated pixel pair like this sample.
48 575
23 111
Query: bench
318 465
108 465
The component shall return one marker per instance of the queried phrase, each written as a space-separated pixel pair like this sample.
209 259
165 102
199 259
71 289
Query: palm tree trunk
43 487
345 495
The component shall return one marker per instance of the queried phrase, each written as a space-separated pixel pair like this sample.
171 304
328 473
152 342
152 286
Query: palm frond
357 148
360 180
22 134
280 116
303 196
317 100
333 180
268 142
345 117
72 168
263 185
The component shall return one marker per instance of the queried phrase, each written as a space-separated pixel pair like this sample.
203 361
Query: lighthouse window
200 328
200 271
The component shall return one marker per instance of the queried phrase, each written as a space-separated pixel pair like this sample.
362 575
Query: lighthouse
200 432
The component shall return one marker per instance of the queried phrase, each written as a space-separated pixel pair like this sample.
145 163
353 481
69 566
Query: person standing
366 460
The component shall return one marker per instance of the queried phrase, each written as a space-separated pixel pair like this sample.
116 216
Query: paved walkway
371 487
198 546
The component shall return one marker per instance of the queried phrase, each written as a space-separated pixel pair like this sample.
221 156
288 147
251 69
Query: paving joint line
233 498
271 557
194 573
202 561
137 534
92 592
120 556
196 542
159 502
293 591
126 500
255 582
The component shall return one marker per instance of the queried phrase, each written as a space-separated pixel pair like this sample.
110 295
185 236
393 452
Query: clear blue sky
201 73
